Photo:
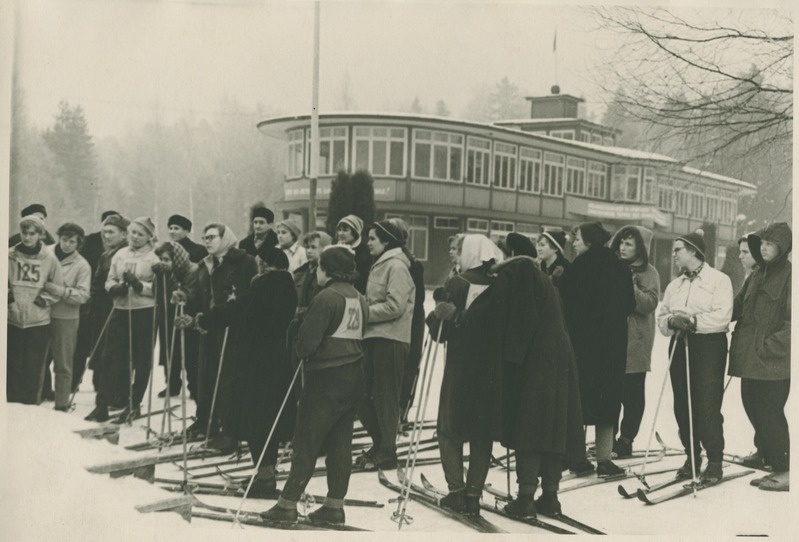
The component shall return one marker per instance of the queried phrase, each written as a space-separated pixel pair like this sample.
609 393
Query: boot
757 481
455 500
778 481
754 461
278 513
684 472
326 514
264 486
548 503
607 469
522 506
223 443
99 414
622 448
127 415
172 393
196 430
366 458
712 472
582 468
118 403
471 505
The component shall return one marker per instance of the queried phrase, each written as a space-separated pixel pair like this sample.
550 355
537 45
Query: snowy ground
48 493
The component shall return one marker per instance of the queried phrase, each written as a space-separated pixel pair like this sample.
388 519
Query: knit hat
32 221
696 240
354 223
594 233
262 212
117 220
106 214
147 223
402 227
338 261
180 221
291 226
557 237
389 233
34 208
520 245
273 257
70 229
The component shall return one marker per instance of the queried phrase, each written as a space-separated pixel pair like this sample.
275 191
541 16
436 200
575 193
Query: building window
607 141
697 202
712 204
529 170
553 174
666 198
562 134
478 161
682 204
500 229
437 155
728 203
332 150
597 179
575 176
476 225
504 165
528 230
626 183
296 140
596 139
447 223
417 237
585 136
381 151
649 186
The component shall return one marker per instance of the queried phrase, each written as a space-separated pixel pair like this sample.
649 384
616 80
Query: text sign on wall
385 190
618 211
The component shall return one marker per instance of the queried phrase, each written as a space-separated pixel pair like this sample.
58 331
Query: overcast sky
123 59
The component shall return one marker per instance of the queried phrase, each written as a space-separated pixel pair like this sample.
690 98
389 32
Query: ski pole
642 475
507 467
690 416
167 396
91 355
415 382
400 516
130 357
268 440
152 361
216 387
183 379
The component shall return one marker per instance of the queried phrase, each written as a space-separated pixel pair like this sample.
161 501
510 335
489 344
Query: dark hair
630 232
273 257
594 234
165 248
338 262
219 227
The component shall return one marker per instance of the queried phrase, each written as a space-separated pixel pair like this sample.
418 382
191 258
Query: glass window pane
397 157
440 162
421 166
362 154
379 158
455 159
339 161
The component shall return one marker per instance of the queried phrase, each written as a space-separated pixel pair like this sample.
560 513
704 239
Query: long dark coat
196 251
598 296
248 243
264 371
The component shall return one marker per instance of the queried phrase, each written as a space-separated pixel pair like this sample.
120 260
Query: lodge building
554 170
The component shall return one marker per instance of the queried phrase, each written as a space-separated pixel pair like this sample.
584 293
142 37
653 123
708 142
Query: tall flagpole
555 52
314 173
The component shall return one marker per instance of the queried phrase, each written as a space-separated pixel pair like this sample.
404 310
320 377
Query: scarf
60 254
478 249
691 275
30 251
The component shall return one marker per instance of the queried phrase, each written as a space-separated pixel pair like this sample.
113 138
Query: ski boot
712 472
685 472
454 500
127 415
99 414
608 469
327 514
522 506
281 514
581 468
264 485
548 503
622 448
471 505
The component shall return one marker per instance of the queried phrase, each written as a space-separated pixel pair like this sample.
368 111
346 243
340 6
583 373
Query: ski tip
623 492
642 496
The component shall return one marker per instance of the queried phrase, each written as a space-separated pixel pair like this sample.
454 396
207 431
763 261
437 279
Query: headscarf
227 241
478 249
181 264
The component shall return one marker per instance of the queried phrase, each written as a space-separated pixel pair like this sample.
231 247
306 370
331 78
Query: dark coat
557 269
248 243
92 249
598 296
417 322
264 371
363 263
196 251
100 303
761 342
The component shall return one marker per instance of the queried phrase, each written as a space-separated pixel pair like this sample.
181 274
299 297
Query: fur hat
696 240
34 208
147 223
273 257
520 245
354 223
117 220
338 261
594 234
262 212
180 221
32 221
557 238
291 226
106 214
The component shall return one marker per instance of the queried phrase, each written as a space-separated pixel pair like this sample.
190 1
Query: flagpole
314 173
555 52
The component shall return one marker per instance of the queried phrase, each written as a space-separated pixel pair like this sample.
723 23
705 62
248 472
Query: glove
445 311
440 294
179 297
118 290
197 326
184 322
40 302
681 322
133 281
160 268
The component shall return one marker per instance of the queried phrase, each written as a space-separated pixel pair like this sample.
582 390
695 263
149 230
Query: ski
144 461
738 460
650 489
688 489
535 522
477 523
597 480
257 521
563 518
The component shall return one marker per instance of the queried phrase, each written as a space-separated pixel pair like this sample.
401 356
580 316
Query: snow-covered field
48 494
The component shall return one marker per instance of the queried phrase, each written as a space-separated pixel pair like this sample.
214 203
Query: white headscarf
227 241
478 249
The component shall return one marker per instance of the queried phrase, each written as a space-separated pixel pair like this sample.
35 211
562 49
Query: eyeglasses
208 238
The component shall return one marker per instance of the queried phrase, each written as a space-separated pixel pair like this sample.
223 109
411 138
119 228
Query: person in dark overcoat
261 221
598 296
264 373
179 230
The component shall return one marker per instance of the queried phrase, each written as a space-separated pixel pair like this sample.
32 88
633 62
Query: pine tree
416 106
363 197
340 203
441 109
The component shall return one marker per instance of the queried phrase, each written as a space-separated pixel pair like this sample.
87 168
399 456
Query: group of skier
538 347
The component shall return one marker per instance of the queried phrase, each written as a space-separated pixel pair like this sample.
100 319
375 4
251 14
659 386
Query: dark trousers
384 364
325 415
633 400
207 372
530 465
25 364
708 359
452 462
257 443
116 356
83 347
169 338
764 402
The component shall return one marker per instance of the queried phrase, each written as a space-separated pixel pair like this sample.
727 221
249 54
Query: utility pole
314 173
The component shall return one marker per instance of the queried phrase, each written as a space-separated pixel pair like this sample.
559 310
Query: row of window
694 201
587 137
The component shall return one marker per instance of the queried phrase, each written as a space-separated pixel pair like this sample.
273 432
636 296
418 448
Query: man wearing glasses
696 309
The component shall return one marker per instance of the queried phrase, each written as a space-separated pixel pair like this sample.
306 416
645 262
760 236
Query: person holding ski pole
330 343
696 312
631 244
760 351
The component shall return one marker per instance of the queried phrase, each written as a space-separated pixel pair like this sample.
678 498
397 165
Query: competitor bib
351 326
